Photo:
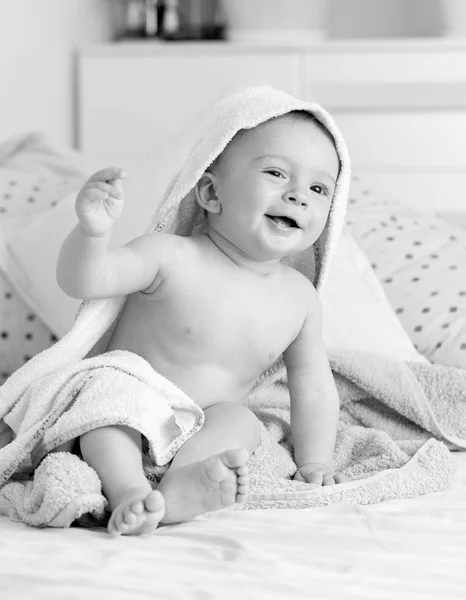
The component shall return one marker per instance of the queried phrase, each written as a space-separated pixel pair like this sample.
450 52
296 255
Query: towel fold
397 422
115 388
394 417
63 489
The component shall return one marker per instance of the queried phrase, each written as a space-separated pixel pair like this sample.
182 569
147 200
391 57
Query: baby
211 313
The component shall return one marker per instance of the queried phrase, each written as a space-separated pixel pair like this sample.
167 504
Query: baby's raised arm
87 268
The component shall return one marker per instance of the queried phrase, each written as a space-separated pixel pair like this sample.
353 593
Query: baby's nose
296 197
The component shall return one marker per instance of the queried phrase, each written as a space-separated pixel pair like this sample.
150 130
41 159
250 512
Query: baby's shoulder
168 252
303 292
299 282
168 245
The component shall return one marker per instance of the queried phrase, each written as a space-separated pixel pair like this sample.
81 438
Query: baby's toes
242 487
116 524
154 502
154 509
242 471
132 516
134 511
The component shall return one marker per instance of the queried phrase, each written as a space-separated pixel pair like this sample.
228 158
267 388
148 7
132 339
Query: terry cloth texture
397 421
114 388
392 417
40 410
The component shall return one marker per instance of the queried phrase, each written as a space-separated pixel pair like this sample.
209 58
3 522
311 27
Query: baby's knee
238 418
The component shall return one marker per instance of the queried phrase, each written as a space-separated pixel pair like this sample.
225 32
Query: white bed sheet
404 549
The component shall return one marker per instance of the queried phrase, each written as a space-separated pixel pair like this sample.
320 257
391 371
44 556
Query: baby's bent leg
115 453
227 425
209 472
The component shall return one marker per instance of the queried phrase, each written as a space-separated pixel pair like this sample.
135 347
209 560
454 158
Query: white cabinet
133 96
400 104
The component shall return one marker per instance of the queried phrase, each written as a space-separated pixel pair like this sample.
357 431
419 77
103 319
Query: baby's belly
206 378
213 352
206 384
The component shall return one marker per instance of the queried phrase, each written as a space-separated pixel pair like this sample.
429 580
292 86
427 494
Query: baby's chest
254 321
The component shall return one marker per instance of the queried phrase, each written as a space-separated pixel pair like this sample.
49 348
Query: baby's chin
282 251
295 244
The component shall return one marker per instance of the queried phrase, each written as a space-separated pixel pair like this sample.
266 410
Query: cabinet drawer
131 104
418 158
410 139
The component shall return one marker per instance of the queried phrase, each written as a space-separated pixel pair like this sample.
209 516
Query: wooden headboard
401 104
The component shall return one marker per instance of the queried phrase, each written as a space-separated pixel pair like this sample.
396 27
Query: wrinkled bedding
408 549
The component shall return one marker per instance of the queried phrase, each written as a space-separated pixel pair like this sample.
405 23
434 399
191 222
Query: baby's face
275 185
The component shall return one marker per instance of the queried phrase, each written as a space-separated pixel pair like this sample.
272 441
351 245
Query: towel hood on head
179 213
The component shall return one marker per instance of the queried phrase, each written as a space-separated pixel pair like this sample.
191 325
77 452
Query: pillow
31 247
29 194
32 153
22 333
356 312
29 259
420 259
34 175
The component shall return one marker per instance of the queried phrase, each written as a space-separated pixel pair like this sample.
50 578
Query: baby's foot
137 512
204 486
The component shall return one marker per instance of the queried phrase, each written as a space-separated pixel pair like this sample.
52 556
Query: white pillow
30 250
29 259
420 260
356 312
34 175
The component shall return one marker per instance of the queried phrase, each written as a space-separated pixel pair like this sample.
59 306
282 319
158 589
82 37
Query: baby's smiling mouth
284 222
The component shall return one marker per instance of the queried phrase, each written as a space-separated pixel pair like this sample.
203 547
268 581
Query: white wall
386 18
37 43
38 39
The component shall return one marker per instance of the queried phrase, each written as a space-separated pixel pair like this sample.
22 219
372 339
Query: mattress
407 549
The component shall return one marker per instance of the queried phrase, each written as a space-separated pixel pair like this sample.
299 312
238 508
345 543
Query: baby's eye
320 189
274 172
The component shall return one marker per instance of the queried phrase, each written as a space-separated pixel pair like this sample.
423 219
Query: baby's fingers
117 188
315 477
299 477
108 174
104 190
340 478
328 479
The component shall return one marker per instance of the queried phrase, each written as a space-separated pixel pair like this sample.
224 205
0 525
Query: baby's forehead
246 139
279 125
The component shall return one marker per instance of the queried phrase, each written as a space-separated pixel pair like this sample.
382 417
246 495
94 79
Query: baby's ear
206 193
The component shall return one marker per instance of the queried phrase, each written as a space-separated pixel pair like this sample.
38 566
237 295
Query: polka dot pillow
25 194
420 259
33 178
22 333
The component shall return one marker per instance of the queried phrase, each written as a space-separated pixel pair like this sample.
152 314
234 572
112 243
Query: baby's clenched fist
100 202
